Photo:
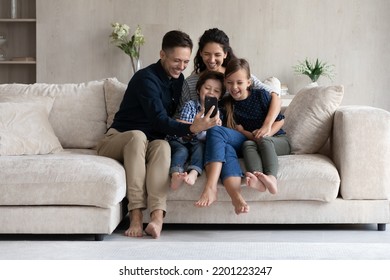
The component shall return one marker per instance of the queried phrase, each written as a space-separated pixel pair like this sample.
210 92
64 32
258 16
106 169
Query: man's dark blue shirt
149 104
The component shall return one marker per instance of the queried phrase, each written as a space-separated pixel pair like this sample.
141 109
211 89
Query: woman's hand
262 132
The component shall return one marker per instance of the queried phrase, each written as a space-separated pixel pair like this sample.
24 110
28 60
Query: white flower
132 46
120 31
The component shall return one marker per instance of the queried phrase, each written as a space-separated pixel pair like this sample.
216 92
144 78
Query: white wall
73 43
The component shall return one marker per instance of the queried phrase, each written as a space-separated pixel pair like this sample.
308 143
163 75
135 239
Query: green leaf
314 70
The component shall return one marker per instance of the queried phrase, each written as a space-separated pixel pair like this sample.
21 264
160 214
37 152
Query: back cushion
113 92
309 117
78 116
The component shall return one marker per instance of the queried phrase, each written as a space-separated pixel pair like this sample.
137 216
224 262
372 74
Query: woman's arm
276 126
256 83
273 112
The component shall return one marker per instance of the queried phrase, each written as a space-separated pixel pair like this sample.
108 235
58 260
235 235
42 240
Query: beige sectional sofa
52 181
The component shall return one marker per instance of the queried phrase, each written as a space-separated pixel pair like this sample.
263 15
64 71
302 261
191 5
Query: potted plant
314 70
131 46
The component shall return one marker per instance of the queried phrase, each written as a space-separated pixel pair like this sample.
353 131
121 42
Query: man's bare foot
177 180
269 182
136 226
191 177
209 195
240 205
154 228
254 182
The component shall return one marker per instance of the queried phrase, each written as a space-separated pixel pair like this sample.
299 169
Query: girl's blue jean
191 152
224 145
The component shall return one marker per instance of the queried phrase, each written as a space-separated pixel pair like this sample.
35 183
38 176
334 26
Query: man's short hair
176 38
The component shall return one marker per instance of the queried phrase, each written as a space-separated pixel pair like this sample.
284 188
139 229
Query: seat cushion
65 178
300 177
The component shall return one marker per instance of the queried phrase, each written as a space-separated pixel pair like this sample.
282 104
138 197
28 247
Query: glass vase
2 51
135 65
14 8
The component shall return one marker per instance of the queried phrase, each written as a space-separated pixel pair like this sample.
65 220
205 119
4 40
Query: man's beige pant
146 164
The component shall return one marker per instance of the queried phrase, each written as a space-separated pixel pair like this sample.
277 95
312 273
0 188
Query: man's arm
150 94
201 124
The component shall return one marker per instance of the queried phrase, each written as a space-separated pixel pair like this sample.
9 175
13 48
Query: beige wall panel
73 43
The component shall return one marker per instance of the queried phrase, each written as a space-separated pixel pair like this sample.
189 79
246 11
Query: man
137 134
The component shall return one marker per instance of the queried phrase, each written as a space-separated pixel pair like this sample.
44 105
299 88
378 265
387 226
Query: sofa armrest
360 145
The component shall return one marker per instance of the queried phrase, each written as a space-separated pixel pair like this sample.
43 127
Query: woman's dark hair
176 38
211 75
233 66
213 35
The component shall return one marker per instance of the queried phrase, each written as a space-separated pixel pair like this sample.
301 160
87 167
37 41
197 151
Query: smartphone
210 102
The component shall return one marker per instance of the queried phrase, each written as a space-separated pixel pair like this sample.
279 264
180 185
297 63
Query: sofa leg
381 227
99 237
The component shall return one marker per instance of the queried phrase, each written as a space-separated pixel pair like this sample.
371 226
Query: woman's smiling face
213 57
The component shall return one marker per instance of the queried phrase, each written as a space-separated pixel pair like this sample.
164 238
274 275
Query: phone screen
210 102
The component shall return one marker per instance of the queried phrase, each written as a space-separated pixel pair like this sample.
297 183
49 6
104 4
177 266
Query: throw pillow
25 130
309 117
113 94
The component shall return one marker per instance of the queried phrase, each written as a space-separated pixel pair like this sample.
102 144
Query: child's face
213 56
211 88
237 84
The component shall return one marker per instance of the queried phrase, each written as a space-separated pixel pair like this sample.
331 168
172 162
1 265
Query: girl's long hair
233 66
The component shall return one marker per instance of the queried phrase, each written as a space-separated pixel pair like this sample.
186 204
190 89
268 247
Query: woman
214 53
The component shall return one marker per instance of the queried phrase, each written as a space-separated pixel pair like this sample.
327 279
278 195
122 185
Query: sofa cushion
300 177
361 151
25 128
70 177
78 116
309 117
113 94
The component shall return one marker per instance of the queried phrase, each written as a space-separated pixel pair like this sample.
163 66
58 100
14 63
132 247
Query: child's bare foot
191 177
155 226
254 182
209 195
240 205
269 182
177 180
136 226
